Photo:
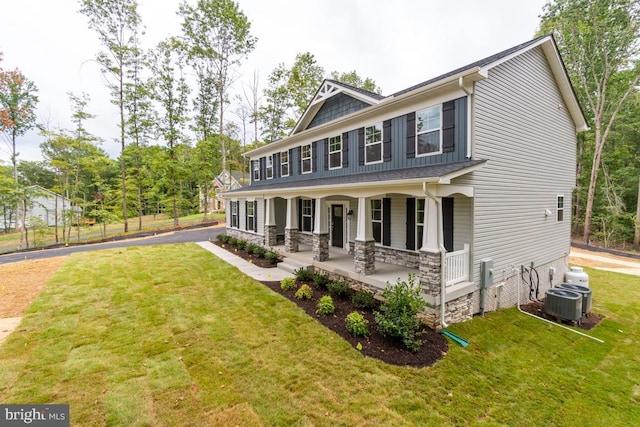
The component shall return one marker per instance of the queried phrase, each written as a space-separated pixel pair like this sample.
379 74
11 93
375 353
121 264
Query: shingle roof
357 89
419 172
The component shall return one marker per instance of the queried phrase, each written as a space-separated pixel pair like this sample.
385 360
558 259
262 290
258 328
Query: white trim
558 209
339 137
375 125
439 130
269 156
288 162
310 158
255 169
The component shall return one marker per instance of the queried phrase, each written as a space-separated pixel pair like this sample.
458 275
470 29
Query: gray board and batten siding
335 107
522 126
395 151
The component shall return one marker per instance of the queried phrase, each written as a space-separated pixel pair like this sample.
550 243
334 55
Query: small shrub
272 256
303 275
364 300
249 247
259 251
304 292
288 283
356 324
233 242
242 244
325 305
321 280
339 289
397 317
223 238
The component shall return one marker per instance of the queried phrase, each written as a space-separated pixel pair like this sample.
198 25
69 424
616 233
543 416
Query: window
269 167
306 158
256 170
284 163
307 215
376 219
428 133
560 209
419 222
234 214
373 144
251 217
335 152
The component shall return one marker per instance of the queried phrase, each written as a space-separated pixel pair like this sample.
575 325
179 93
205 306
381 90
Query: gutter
443 251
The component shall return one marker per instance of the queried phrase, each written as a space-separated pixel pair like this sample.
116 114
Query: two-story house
470 171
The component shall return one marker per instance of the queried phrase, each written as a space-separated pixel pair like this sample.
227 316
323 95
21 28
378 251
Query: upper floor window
306 158
269 167
307 215
373 144
234 214
376 219
256 170
251 217
428 134
560 209
284 163
335 152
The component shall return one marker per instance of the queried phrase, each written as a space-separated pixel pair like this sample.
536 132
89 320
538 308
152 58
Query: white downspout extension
443 251
469 121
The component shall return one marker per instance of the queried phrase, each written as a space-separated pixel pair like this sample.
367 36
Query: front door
337 226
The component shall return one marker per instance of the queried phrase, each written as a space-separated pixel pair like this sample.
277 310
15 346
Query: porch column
364 245
291 228
320 232
270 223
430 265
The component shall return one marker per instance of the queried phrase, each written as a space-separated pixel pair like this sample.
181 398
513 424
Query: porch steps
290 265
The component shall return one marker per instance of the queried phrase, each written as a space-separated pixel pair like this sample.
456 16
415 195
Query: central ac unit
563 304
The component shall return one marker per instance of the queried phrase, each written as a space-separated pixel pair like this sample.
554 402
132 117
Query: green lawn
170 335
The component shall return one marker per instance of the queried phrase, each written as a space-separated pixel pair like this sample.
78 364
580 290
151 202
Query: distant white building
45 205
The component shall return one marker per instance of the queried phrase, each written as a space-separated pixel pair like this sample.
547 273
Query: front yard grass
171 335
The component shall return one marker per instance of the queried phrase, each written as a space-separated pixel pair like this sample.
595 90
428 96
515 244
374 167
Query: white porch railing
457 266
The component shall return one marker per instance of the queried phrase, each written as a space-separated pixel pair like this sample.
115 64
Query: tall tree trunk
123 169
636 234
595 168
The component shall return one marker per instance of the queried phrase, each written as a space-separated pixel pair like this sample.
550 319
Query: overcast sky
398 43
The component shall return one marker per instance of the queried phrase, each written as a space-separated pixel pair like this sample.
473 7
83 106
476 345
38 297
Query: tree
305 77
353 79
598 40
117 23
217 31
274 114
169 89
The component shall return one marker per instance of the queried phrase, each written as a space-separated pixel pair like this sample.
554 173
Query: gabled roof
460 77
330 88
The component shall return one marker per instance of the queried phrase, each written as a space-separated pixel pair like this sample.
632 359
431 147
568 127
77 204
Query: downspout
469 121
443 252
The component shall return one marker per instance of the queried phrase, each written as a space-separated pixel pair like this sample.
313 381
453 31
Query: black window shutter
255 216
246 215
361 146
386 140
411 135
314 156
345 149
299 160
291 164
276 165
299 213
448 126
263 168
411 223
313 214
325 144
386 221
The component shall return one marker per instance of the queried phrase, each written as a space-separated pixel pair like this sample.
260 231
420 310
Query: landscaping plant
321 280
357 324
273 256
325 305
363 299
303 275
398 315
304 292
288 283
339 289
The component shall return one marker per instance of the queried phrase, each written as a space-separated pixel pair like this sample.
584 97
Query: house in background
460 180
225 181
46 205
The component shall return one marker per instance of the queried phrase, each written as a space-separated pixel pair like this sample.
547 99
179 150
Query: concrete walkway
251 270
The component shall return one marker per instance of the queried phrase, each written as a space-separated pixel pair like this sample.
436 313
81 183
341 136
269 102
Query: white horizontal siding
522 127
398 221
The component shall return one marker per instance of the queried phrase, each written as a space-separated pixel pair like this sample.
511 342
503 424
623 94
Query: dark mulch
259 261
587 322
434 345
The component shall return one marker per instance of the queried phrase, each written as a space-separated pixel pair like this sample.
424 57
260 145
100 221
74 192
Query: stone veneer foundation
365 257
320 247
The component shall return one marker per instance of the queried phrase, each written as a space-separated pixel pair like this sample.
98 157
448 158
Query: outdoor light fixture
350 213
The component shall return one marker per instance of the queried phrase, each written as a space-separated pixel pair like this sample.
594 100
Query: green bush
241 244
259 251
363 300
339 289
288 283
249 247
303 275
356 324
272 256
321 280
397 317
223 238
325 305
233 242
304 292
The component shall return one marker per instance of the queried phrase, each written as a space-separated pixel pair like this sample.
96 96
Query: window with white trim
306 158
307 215
560 209
251 216
376 219
269 166
419 222
256 170
428 131
284 163
373 144
234 214
335 152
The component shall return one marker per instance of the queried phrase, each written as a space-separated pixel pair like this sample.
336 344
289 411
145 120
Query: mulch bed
434 346
586 323
259 261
